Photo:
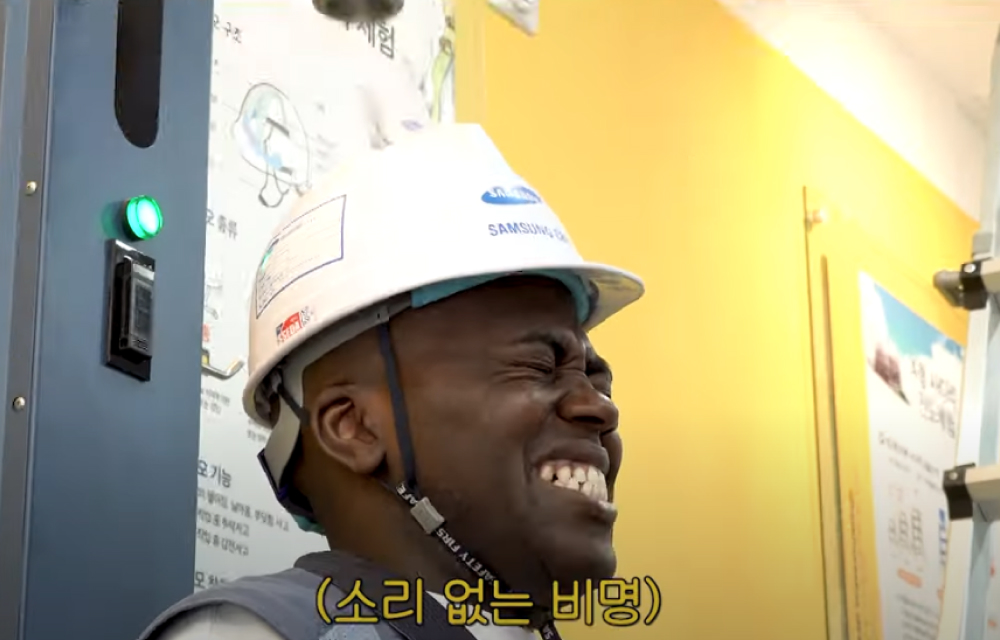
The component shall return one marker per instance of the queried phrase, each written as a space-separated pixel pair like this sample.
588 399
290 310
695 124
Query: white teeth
585 479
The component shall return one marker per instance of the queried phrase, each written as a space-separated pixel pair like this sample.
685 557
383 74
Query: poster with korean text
293 94
912 379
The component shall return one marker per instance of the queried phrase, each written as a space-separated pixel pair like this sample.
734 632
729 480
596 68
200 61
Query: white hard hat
434 213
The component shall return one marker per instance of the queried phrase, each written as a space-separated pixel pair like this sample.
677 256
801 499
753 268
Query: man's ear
342 425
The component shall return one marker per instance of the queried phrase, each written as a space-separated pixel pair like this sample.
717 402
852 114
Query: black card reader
131 275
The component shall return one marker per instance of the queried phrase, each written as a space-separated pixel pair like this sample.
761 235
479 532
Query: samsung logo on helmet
527 229
511 195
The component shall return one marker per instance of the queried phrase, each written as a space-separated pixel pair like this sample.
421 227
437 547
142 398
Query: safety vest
288 602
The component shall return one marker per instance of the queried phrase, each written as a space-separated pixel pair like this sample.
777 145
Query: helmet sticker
307 243
267 254
293 324
519 194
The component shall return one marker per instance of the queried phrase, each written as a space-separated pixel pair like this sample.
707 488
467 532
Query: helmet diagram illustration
272 139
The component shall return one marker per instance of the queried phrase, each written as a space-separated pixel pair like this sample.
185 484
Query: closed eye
599 372
543 365
547 369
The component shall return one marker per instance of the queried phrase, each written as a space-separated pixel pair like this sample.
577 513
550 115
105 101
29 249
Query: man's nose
586 406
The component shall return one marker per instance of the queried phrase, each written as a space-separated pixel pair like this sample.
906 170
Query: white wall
860 66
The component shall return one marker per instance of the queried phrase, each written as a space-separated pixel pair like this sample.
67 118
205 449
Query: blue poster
912 379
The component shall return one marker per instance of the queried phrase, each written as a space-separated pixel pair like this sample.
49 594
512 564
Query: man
418 346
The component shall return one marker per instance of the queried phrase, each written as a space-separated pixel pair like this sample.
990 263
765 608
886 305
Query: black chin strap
399 412
420 507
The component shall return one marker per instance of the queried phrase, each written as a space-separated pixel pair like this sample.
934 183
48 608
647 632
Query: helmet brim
614 289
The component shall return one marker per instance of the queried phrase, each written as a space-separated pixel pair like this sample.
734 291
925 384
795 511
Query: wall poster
293 93
913 379
992 629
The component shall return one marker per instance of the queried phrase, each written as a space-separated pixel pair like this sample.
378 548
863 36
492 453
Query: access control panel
129 344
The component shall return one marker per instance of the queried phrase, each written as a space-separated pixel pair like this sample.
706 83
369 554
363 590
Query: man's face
514 430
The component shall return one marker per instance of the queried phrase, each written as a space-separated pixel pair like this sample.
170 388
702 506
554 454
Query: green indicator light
143 218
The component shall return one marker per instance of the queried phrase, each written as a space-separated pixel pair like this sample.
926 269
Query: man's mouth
578 477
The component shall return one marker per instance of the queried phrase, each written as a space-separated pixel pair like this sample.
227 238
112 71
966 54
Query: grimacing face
514 431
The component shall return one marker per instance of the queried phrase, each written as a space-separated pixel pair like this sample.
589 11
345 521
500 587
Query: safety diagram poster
912 380
293 94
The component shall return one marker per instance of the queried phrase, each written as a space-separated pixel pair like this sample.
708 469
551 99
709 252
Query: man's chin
573 569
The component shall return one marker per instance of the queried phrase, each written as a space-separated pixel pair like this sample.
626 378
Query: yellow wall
676 144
